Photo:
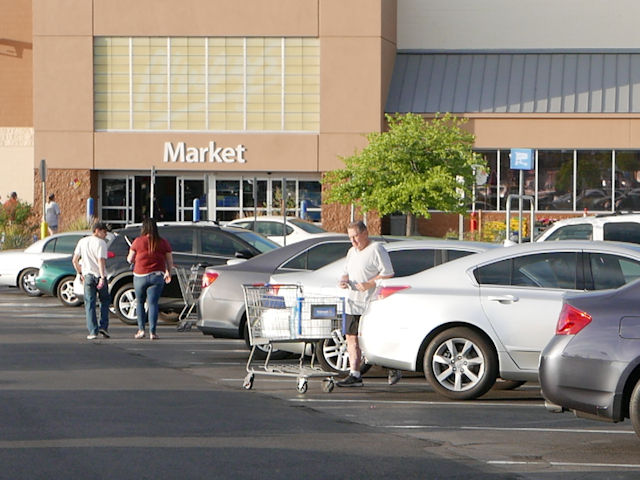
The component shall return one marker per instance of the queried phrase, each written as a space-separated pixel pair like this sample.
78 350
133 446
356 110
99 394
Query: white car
407 257
20 267
487 315
617 228
276 229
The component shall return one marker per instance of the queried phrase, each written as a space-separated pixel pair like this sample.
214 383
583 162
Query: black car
199 243
592 365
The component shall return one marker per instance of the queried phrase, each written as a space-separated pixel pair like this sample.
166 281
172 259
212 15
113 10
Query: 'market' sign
213 154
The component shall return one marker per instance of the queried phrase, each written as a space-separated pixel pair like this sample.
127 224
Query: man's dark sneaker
104 333
394 376
350 381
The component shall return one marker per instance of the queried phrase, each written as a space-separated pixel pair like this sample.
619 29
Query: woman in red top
153 262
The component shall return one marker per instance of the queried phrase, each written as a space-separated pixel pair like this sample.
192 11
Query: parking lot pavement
504 434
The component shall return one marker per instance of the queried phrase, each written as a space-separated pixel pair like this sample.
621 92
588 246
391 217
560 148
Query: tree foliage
414 167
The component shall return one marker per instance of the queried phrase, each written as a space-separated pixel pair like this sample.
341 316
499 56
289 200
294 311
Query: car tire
124 303
333 356
261 351
634 408
27 282
460 364
64 292
502 384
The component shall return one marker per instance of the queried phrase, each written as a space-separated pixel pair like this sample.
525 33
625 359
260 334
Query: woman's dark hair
150 228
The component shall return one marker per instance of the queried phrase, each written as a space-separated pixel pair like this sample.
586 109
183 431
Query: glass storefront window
555 179
487 195
593 186
277 194
627 180
114 201
311 192
227 193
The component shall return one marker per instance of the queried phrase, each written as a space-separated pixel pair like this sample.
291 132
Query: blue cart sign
521 159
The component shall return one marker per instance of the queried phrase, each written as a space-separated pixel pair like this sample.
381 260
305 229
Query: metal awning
515 83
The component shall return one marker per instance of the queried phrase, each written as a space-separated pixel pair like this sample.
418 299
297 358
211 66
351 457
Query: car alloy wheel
65 294
126 305
27 282
333 355
460 364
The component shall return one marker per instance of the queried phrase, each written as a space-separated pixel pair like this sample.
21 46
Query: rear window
622 232
408 262
258 242
583 231
307 227
318 256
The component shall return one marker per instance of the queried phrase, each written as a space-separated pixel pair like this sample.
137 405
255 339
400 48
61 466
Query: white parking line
510 429
420 402
568 464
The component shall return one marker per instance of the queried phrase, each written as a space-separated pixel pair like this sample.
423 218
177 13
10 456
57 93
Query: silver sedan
467 322
221 308
407 257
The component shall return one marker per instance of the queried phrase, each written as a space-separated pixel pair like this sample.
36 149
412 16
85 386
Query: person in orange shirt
10 206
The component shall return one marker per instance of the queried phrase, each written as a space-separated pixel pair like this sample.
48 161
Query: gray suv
200 243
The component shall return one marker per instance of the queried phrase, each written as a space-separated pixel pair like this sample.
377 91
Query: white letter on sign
171 155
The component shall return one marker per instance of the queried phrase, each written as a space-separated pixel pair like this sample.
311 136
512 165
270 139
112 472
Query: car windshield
259 242
307 226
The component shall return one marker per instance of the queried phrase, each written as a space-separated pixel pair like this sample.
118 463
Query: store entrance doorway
164 191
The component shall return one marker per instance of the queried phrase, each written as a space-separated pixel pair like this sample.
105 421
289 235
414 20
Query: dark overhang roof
515 82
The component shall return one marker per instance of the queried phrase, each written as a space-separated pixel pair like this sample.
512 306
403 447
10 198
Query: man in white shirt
89 260
367 263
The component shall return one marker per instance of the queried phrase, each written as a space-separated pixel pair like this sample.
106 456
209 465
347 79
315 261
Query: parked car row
464 314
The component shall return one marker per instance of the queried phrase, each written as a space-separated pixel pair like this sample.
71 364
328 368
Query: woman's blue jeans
148 289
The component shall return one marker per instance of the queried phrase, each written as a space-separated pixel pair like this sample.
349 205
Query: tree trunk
410 225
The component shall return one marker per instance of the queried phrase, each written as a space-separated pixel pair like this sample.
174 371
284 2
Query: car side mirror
243 254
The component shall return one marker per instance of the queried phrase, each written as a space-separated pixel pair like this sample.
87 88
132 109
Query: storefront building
241 104
238 104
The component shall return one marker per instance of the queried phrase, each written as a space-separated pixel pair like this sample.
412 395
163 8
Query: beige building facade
147 106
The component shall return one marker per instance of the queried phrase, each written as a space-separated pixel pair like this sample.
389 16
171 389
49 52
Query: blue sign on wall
521 159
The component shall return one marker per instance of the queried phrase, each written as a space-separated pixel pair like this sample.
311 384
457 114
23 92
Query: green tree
414 167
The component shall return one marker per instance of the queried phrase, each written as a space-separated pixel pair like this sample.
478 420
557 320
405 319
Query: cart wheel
327 385
248 382
302 385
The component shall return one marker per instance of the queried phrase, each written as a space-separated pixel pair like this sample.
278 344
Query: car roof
440 243
280 255
203 223
271 218
598 219
472 261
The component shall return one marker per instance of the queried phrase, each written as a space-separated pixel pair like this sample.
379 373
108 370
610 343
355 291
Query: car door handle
503 298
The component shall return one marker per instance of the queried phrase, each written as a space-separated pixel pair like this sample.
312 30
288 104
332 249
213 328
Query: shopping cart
281 313
190 280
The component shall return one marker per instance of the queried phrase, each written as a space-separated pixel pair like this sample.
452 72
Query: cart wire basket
282 313
190 281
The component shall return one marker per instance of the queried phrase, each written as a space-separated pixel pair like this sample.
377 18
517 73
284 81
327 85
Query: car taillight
208 278
571 320
384 292
110 254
